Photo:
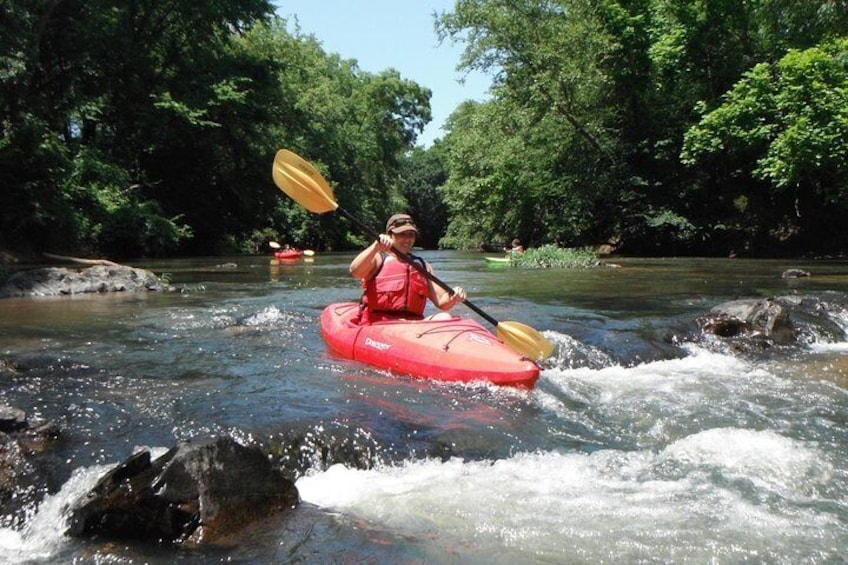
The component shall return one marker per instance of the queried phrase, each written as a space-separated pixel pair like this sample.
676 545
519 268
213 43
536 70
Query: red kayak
457 349
289 254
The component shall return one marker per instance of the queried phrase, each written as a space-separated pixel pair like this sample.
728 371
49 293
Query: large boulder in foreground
203 491
56 281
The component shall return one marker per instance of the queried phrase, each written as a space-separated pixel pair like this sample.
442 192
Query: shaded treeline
149 127
677 126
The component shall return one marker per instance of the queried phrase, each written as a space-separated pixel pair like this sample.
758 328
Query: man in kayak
394 289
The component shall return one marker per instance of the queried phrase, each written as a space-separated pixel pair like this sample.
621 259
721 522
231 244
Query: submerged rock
203 491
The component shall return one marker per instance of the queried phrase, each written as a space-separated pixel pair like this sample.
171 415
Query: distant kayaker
392 287
516 249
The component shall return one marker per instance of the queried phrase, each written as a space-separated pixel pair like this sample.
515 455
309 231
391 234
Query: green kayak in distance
497 260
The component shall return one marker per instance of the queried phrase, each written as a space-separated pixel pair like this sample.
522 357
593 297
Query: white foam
43 533
700 364
266 317
766 458
823 347
657 390
563 506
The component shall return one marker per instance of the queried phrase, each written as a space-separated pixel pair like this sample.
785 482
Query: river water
636 446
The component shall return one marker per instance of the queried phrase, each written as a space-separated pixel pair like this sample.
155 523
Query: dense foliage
671 126
583 139
551 256
149 127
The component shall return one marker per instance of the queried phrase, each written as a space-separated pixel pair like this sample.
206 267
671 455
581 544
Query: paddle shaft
418 266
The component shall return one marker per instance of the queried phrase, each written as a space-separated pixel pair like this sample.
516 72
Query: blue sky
399 34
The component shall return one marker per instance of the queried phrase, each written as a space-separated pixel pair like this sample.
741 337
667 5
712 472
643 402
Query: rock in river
203 491
56 281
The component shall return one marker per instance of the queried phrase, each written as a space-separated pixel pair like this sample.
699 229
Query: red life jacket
396 290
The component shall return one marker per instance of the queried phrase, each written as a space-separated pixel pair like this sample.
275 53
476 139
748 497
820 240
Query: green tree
353 125
538 161
597 97
161 119
122 92
423 173
784 126
697 52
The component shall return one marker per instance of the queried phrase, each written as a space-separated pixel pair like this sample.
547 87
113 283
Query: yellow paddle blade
303 183
525 340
